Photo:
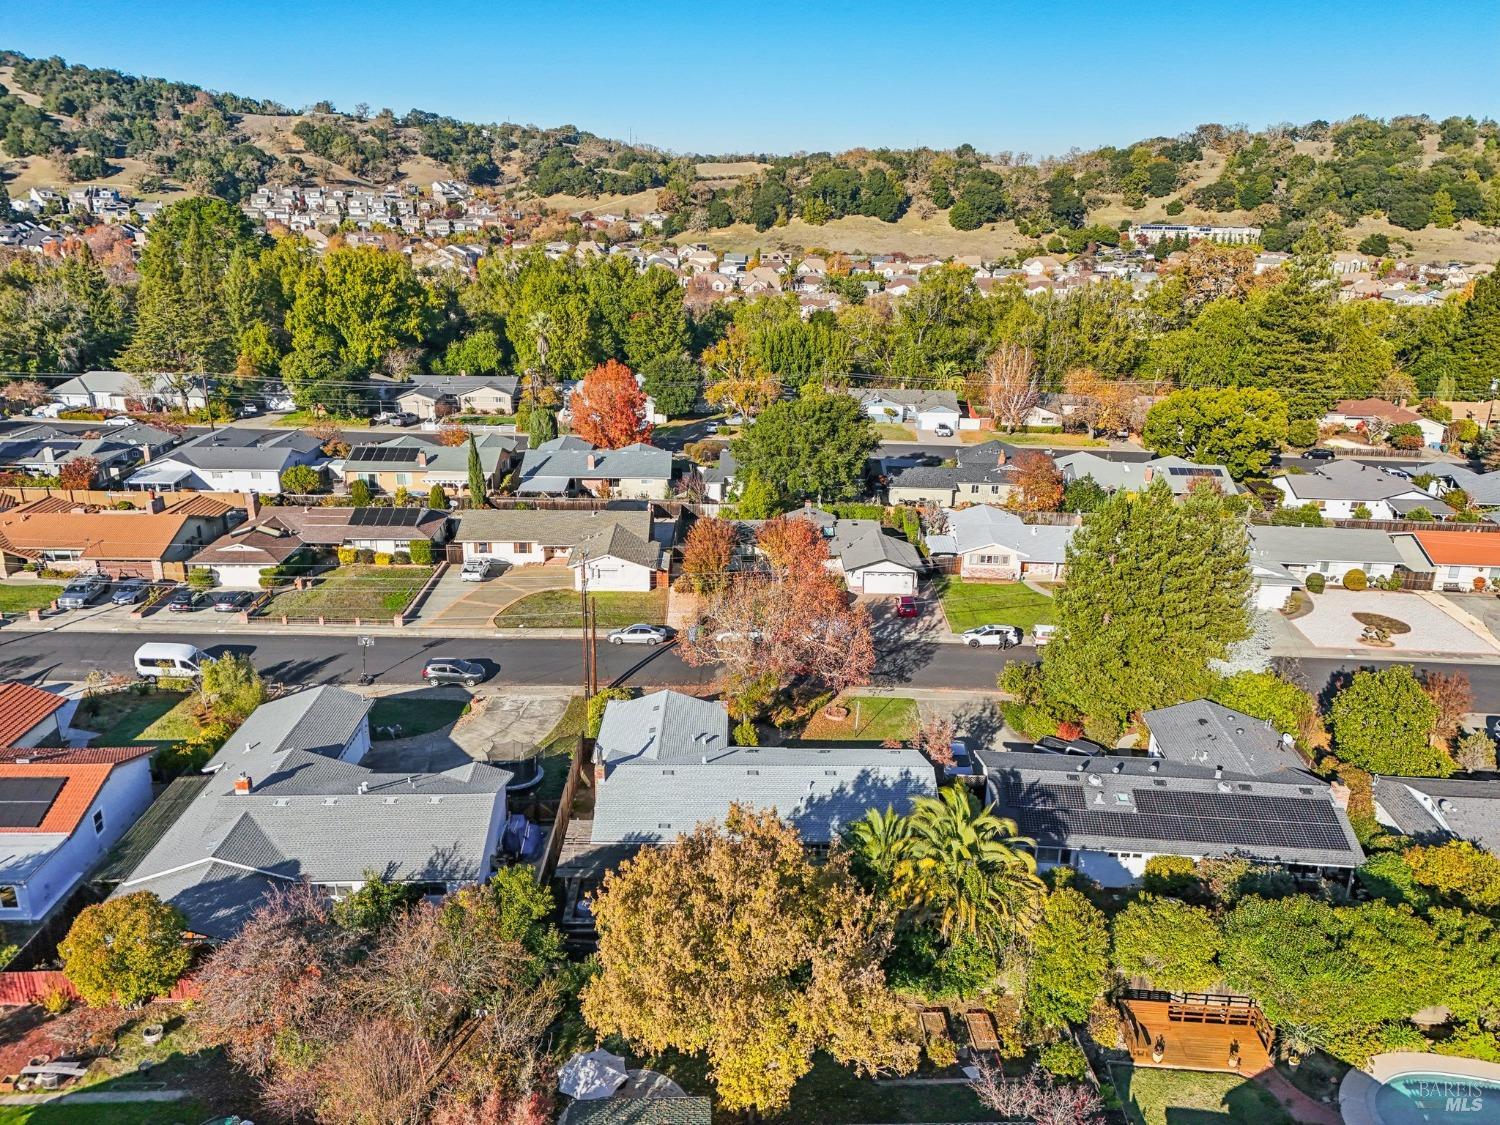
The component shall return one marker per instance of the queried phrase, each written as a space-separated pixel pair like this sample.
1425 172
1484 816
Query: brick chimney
251 502
1148 474
593 460
600 772
1340 794
154 503
421 459
1002 458
242 785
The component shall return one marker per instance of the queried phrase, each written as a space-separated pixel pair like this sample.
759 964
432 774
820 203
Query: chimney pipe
1218 772
242 785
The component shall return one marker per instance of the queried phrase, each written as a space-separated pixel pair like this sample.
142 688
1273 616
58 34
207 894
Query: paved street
302 658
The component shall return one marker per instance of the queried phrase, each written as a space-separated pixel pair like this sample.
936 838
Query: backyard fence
34 987
558 834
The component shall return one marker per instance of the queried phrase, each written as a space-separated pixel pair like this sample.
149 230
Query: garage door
890 582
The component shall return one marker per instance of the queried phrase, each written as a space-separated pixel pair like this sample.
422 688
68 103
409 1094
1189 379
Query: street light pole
366 643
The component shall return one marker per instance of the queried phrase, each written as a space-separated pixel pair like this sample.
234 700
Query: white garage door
890 582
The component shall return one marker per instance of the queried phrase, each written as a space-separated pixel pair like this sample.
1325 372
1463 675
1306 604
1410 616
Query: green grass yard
559 609
895 431
1059 441
557 748
420 713
1194 1097
872 718
968 604
106 1113
20 597
362 590
125 717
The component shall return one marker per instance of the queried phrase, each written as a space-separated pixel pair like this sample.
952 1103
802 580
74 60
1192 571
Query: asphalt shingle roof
1208 734
559 528
1443 807
973 529
568 459
617 542
1350 480
690 1110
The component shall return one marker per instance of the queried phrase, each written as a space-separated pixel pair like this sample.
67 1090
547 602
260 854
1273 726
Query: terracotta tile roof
23 707
81 784
1460 548
73 755
98 534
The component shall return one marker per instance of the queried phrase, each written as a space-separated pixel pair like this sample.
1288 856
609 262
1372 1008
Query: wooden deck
1197 1033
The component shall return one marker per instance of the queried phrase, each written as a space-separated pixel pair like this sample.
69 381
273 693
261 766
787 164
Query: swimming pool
1437 1099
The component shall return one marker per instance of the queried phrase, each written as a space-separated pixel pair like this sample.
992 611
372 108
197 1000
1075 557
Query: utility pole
593 634
583 617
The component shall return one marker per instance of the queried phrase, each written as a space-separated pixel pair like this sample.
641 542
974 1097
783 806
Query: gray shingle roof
972 529
1468 809
1161 807
567 459
561 528
1308 546
1132 476
617 542
1350 480
216 898
1483 488
321 720
1207 734
861 543
436 457
690 1110
244 449
670 768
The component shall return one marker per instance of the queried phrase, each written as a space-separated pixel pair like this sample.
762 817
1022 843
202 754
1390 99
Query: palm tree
966 868
878 842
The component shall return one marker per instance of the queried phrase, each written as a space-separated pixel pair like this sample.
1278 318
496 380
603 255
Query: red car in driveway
907 607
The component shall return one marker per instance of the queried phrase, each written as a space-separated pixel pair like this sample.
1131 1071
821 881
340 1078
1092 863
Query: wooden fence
1481 528
548 863
33 987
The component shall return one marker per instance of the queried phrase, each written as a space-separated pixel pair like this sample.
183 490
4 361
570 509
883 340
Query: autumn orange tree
707 553
1038 486
78 472
609 407
786 620
732 944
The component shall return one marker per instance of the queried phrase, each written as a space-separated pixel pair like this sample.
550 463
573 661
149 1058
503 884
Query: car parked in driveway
451 670
230 601
475 570
130 591
992 636
907 606
83 591
186 600
942 429
1041 635
640 634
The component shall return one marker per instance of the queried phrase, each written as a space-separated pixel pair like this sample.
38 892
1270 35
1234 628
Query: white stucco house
994 544
928 409
1281 558
1339 487
617 559
63 810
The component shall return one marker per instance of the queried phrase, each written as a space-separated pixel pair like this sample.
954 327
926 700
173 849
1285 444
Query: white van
161 659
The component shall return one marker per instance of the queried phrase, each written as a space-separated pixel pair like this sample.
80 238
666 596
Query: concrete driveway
1437 626
476 603
498 728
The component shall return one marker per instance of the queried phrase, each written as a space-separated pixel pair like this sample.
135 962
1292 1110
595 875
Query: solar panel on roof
24 801
382 453
385 517
1189 471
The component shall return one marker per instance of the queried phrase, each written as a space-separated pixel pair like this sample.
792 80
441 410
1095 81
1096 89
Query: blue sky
775 76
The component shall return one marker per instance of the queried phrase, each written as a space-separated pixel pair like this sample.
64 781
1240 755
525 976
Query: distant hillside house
928 409
128 390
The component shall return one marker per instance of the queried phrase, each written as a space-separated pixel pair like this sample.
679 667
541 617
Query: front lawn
872 718
557 749
417 713
360 590
1069 441
21 597
559 609
968 604
300 419
1173 1097
895 431
127 716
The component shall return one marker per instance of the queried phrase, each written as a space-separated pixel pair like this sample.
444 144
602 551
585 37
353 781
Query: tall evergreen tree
541 425
477 490
1476 345
1156 590
1292 334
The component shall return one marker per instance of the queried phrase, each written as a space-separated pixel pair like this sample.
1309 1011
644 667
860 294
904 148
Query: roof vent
1096 780
1218 772
282 802
390 800
435 800
329 801
1153 767
364 787
1223 787
1081 766
1445 804
1118 767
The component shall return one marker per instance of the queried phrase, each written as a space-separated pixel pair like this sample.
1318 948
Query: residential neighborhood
731 620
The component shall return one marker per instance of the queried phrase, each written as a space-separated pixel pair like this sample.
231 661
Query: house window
973 488
9 900
482 549
1453 574
521 548
98 820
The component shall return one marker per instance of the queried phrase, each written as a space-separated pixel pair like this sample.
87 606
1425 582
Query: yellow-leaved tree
733 944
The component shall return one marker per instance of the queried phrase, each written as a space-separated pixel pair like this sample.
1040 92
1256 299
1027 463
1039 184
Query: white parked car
640 635
1042 634
992 636
475 570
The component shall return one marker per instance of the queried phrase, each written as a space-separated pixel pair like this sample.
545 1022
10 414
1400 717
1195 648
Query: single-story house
994 544
60 811
664 763
231 460
152 542
28 715
1362 413
616 558
521 537
366 529
288 800
1133 476
1281 558
1432 810
569 466
1107 817
416 463
237 559
1483 489
718 480
45 456
1338 487
1204 733
927 408
871 560
979 474
436 396
128 390
1458 560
